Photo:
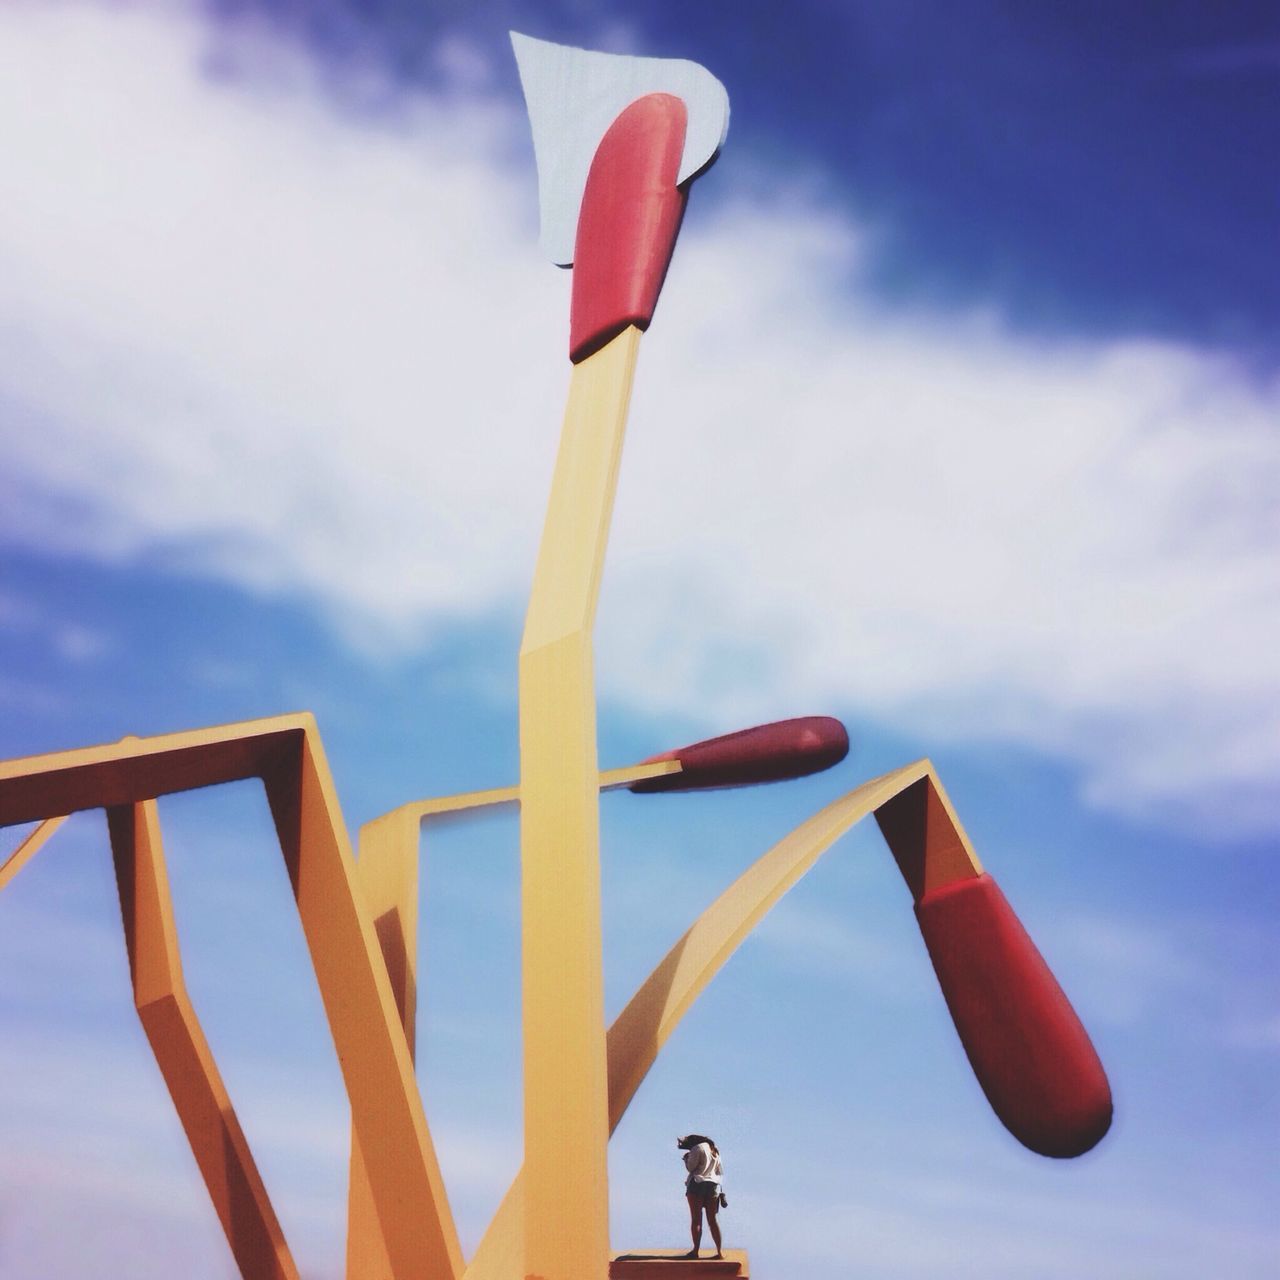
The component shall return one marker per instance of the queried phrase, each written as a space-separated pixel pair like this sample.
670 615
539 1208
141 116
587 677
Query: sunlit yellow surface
566 1121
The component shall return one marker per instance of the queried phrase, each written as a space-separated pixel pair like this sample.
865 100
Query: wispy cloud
250 334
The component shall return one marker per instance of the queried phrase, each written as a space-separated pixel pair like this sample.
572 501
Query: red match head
765 753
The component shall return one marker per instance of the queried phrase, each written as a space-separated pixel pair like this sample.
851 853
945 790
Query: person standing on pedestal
702 1187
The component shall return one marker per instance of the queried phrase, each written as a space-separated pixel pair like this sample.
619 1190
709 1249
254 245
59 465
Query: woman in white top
702 1187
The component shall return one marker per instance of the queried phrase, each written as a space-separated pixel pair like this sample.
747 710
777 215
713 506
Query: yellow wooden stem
30 846
387 873
364 1015
493 798
566 1115
182 1052
387 878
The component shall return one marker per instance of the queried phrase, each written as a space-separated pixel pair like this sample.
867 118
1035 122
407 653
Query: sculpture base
671 1264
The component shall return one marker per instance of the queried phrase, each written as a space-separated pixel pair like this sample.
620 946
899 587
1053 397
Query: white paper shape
574 95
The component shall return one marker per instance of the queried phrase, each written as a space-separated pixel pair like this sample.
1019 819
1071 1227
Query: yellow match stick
566 1091
32 843
387 873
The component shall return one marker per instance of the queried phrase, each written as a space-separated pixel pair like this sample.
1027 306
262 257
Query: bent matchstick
612 145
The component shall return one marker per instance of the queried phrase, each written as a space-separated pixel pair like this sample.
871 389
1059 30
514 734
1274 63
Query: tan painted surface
566 1132
361 926
28 848
387 869
285 752
926 839
182 1052
387 874
386 1107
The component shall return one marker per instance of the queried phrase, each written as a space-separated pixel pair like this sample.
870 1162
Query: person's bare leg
695 1222
713 1208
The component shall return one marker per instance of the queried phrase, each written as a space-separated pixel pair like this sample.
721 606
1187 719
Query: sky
957 420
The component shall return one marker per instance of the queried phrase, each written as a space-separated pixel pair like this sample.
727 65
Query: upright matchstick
612 137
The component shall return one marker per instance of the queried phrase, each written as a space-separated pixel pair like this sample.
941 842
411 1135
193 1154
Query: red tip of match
765 753
631 211
1033 1058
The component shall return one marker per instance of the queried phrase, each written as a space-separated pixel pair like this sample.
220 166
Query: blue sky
957 420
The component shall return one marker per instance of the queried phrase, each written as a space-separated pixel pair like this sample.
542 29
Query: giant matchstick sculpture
618 141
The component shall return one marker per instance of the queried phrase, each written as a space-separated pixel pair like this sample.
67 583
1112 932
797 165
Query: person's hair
692 1139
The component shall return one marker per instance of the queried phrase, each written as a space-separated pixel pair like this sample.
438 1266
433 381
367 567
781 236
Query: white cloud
248 332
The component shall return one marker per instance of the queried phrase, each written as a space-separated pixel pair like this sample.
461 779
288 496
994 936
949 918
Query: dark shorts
704 1193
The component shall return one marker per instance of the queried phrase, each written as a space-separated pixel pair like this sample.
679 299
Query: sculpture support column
566 1116
181 1051
387 881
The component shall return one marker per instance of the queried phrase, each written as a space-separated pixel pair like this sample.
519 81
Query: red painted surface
1031 1055
627 228
766 753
